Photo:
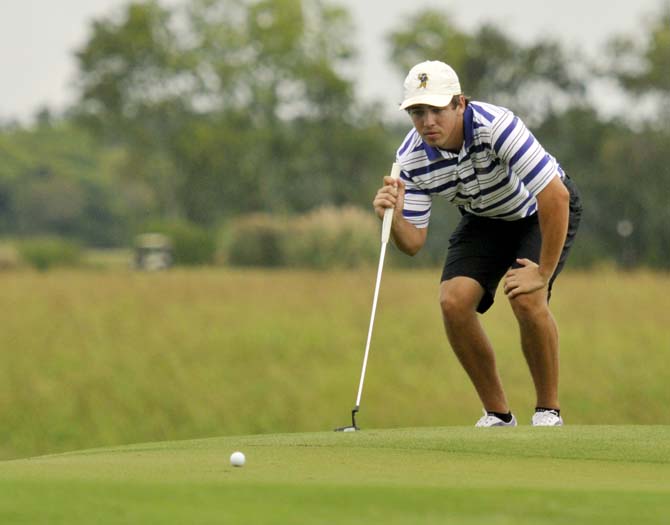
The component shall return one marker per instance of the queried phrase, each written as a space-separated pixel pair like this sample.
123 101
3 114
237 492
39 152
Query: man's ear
461 105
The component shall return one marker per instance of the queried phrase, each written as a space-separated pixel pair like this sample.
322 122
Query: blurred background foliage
235 121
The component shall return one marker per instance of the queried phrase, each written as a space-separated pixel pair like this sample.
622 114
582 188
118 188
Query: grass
94 359
91 359
572 475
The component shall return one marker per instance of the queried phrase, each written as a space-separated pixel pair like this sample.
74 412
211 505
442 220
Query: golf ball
237 459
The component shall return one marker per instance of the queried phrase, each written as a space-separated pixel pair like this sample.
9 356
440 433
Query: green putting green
461 475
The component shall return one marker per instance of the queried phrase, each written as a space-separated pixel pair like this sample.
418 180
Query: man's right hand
390 195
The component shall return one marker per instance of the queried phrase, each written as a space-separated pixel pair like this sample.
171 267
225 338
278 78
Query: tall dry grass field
100 358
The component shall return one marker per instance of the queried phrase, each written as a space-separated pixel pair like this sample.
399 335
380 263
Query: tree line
209 110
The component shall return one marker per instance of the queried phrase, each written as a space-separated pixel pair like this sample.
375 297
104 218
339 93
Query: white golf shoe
547 418
491 420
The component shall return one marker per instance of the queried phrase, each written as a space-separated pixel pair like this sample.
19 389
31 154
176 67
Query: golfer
519 216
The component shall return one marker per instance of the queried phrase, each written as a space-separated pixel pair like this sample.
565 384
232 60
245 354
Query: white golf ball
237 459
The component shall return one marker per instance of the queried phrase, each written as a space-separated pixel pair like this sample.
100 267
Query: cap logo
423 78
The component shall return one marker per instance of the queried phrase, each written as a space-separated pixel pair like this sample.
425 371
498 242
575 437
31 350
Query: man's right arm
407 237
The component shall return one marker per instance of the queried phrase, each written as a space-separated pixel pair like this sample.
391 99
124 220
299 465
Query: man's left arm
553 209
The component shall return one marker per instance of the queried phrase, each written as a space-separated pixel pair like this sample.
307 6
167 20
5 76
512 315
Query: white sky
38 37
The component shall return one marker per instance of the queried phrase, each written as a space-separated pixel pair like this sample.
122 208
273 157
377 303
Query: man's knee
459 297
527 307
451 304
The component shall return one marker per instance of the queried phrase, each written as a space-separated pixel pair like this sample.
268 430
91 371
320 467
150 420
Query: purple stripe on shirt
503 137
522 150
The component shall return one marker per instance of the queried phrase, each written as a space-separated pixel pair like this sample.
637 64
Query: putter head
352 427
347 429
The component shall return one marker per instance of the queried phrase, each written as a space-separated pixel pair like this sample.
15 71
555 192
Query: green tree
55 179
134 86
243 108
533 80
277 59
284 132
642 67
636 162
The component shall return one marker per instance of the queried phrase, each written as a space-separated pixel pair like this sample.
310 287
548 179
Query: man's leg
539 341
459 298
538 329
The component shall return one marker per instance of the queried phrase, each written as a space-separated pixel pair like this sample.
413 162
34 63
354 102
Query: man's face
439 127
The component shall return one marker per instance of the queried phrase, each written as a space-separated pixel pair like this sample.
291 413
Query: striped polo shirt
498 172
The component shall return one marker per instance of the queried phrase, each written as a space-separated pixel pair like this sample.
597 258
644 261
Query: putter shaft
372 323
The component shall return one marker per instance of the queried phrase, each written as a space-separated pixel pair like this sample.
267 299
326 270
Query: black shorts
484 249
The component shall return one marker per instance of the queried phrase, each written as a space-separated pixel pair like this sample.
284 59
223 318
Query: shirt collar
468 131
432 153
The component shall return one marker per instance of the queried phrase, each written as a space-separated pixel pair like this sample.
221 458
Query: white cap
433 83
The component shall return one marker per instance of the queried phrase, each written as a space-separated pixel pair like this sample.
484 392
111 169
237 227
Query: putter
386 232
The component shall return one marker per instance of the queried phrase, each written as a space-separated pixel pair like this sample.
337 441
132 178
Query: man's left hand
526 279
